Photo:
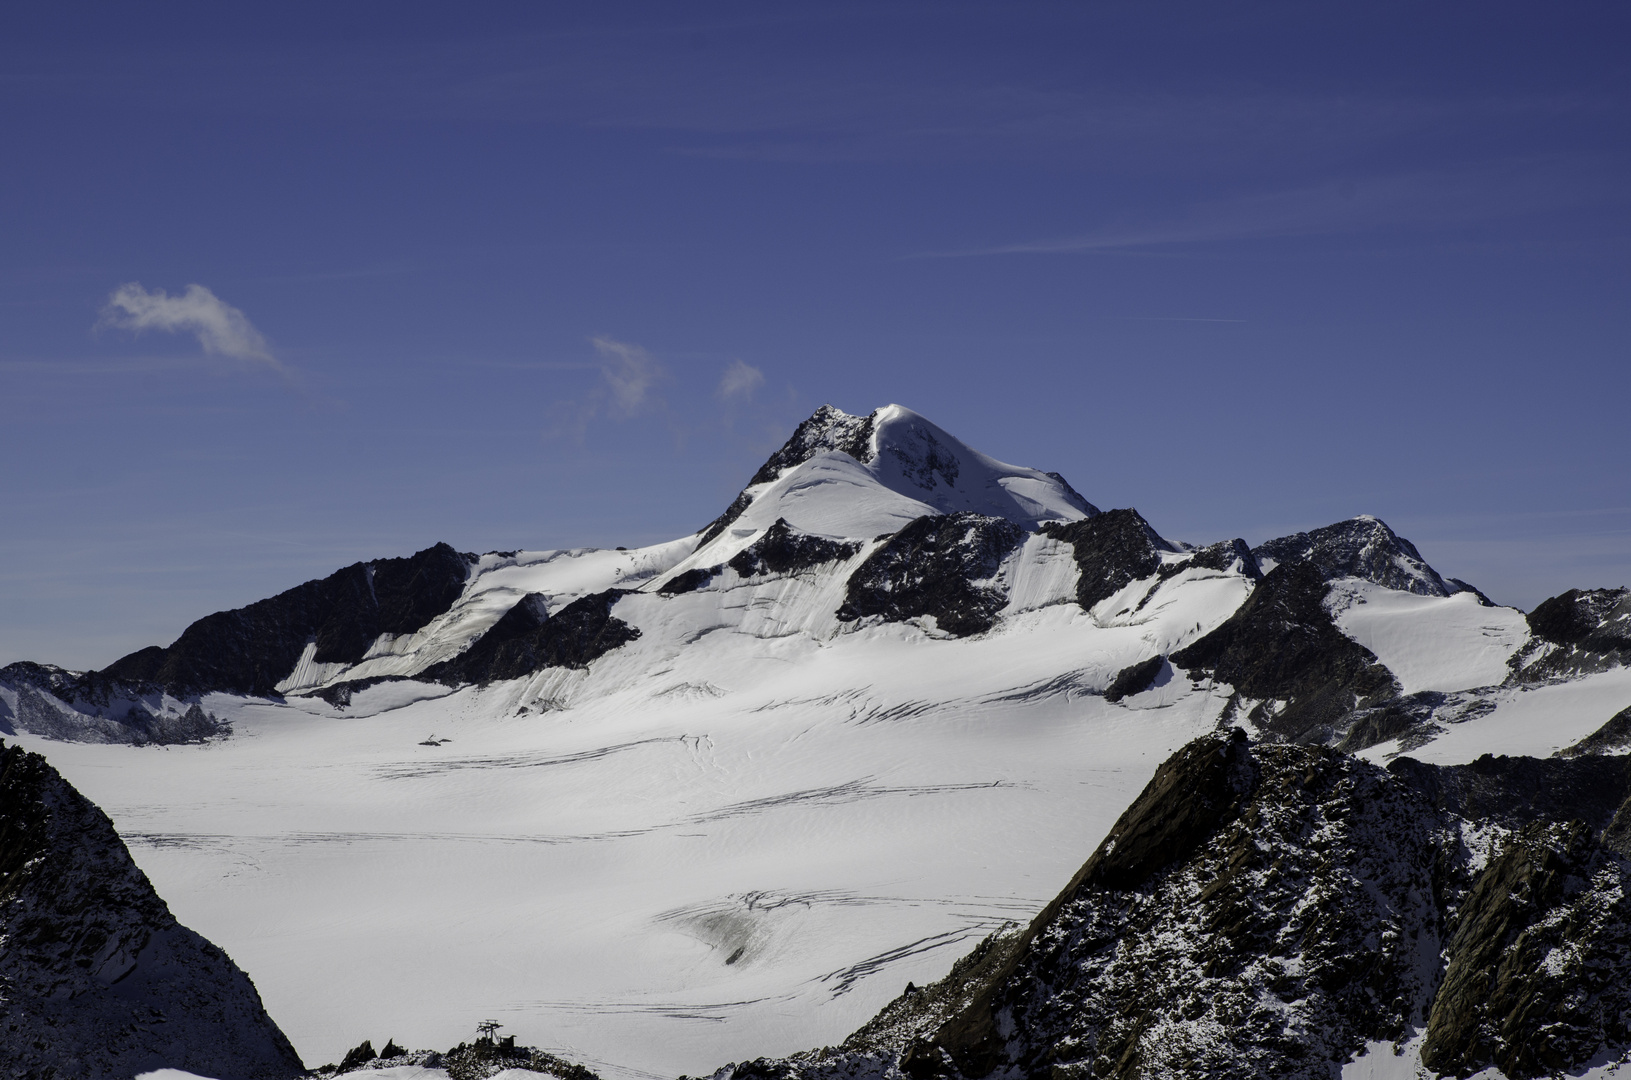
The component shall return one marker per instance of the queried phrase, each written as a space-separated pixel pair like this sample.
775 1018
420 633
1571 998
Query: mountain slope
723 796
1276 910
97 978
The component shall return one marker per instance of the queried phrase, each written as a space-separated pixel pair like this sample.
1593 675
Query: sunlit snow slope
740 832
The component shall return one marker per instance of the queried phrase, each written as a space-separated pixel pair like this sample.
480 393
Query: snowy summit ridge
861 476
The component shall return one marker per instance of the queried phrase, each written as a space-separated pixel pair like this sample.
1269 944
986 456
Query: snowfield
746 848
742 833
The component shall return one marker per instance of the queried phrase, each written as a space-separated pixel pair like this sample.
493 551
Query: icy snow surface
739 835
1429 642
1536 721
1382 1061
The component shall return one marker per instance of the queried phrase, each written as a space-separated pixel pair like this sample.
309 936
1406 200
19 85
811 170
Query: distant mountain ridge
838 476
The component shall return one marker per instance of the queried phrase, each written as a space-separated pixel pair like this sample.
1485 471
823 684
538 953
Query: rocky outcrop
1610 738
1361 547
527 639
1282 650
97 978
940 565
1539 954
1271 909
1134 678
250 650
784 550
1112 549
88 707
1576 633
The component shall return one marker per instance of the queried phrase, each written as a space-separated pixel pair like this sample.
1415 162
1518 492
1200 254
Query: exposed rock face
826 430
528 639
1581 631
1612 736
939 565
97 979
1267 910
1392 719
1283 645
1362 547
1226 555
71 707
690 581
1134 679
249 650
784 550
1539 955
1112 548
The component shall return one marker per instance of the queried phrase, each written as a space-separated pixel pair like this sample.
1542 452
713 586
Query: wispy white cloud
221 329
1434 200
629 375
740 381
629 372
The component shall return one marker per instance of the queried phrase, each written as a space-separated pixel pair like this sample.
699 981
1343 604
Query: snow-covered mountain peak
863 476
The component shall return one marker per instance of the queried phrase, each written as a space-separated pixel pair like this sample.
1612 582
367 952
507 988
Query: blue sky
517 275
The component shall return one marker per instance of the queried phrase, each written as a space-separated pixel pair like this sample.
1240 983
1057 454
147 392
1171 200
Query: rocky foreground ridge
1268 910
97 978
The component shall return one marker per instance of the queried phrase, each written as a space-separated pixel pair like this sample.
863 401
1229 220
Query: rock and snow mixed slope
97 978
1282 910
722 797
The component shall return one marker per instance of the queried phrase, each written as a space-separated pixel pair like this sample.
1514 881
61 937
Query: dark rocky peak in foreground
940 565
1579 632
1268 910
1362 547
249 650
1283 651
99 980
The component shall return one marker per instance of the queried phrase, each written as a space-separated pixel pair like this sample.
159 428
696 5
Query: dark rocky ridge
249 650
1134 678
826 430
1112 549
1612 736
527 639
1362 547
690 581
74 707
1283 645
99 980
931 567
784 550
1268 910
1576 633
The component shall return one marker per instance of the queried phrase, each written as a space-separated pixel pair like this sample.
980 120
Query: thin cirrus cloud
1439 201
221 329
740 381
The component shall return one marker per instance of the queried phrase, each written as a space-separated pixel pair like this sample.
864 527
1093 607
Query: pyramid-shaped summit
863 476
